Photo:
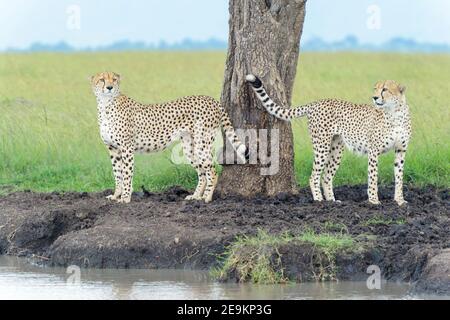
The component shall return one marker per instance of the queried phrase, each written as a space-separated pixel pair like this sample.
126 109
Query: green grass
49 137
257 258
333 226
379 220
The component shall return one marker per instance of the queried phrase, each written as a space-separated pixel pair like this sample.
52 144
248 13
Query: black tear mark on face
383 91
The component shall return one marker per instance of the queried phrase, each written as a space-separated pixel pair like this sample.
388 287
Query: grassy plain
49 136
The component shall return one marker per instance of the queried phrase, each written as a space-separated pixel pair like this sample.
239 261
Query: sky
85 23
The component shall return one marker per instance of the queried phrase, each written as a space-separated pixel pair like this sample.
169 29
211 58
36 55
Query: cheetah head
106 84
388 94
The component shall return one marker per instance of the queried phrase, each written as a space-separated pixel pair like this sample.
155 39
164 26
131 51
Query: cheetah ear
402 89
119 77
91 78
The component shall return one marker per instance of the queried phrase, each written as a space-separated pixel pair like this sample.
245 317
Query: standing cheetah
364 129
127 126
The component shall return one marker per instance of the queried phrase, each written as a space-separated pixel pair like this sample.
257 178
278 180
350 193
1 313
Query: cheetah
127 127
362 128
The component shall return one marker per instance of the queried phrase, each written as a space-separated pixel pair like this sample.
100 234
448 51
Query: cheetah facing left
127 126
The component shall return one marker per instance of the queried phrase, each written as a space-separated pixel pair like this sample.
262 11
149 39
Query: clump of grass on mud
379 220
257 258
335 227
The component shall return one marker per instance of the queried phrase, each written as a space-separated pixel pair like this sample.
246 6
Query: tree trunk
264 40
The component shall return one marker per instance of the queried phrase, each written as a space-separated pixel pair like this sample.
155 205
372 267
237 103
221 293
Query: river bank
160 230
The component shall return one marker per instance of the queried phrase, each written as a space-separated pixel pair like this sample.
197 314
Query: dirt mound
161 230
436 275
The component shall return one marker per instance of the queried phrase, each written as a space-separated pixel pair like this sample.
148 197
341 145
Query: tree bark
264 40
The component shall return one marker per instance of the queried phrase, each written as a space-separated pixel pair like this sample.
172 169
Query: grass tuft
380 220
257 258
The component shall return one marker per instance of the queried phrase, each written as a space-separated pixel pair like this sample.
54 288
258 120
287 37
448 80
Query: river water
20 279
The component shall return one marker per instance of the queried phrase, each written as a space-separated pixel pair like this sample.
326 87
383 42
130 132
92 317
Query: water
20 279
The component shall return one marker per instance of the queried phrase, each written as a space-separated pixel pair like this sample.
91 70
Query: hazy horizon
349 43
87 23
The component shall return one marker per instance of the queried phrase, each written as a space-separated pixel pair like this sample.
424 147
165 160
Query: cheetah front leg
200 189
127 172
372 190
398 170
116 160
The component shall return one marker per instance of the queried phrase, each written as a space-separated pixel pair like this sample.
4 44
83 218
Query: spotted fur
127 127
363 129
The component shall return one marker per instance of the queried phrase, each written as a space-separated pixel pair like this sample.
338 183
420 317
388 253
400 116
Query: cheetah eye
384 89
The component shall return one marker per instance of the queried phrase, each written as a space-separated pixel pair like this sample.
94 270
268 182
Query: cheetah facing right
364 129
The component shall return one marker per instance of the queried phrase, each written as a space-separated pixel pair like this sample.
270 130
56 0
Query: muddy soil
161 230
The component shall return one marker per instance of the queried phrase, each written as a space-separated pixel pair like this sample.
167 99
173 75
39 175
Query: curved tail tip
254 81
243 153
242 149
250 78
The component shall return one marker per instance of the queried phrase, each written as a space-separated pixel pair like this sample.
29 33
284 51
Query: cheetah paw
243 154
208 199
124 200
401 202
113 197
375 202
192 198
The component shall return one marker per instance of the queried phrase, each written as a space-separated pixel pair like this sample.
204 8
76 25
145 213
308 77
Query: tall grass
49 137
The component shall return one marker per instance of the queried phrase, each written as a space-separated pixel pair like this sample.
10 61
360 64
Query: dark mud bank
164 231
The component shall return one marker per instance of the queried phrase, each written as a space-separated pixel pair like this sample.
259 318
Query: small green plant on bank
379 220
257 258
332 226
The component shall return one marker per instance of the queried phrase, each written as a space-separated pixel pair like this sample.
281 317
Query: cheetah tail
237 144
282 113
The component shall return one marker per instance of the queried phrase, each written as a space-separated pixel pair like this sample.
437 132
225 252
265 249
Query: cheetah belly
146 143
356 146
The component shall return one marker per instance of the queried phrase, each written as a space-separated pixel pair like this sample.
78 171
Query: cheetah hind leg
333 162
321 152
211 178
203 150
188 150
